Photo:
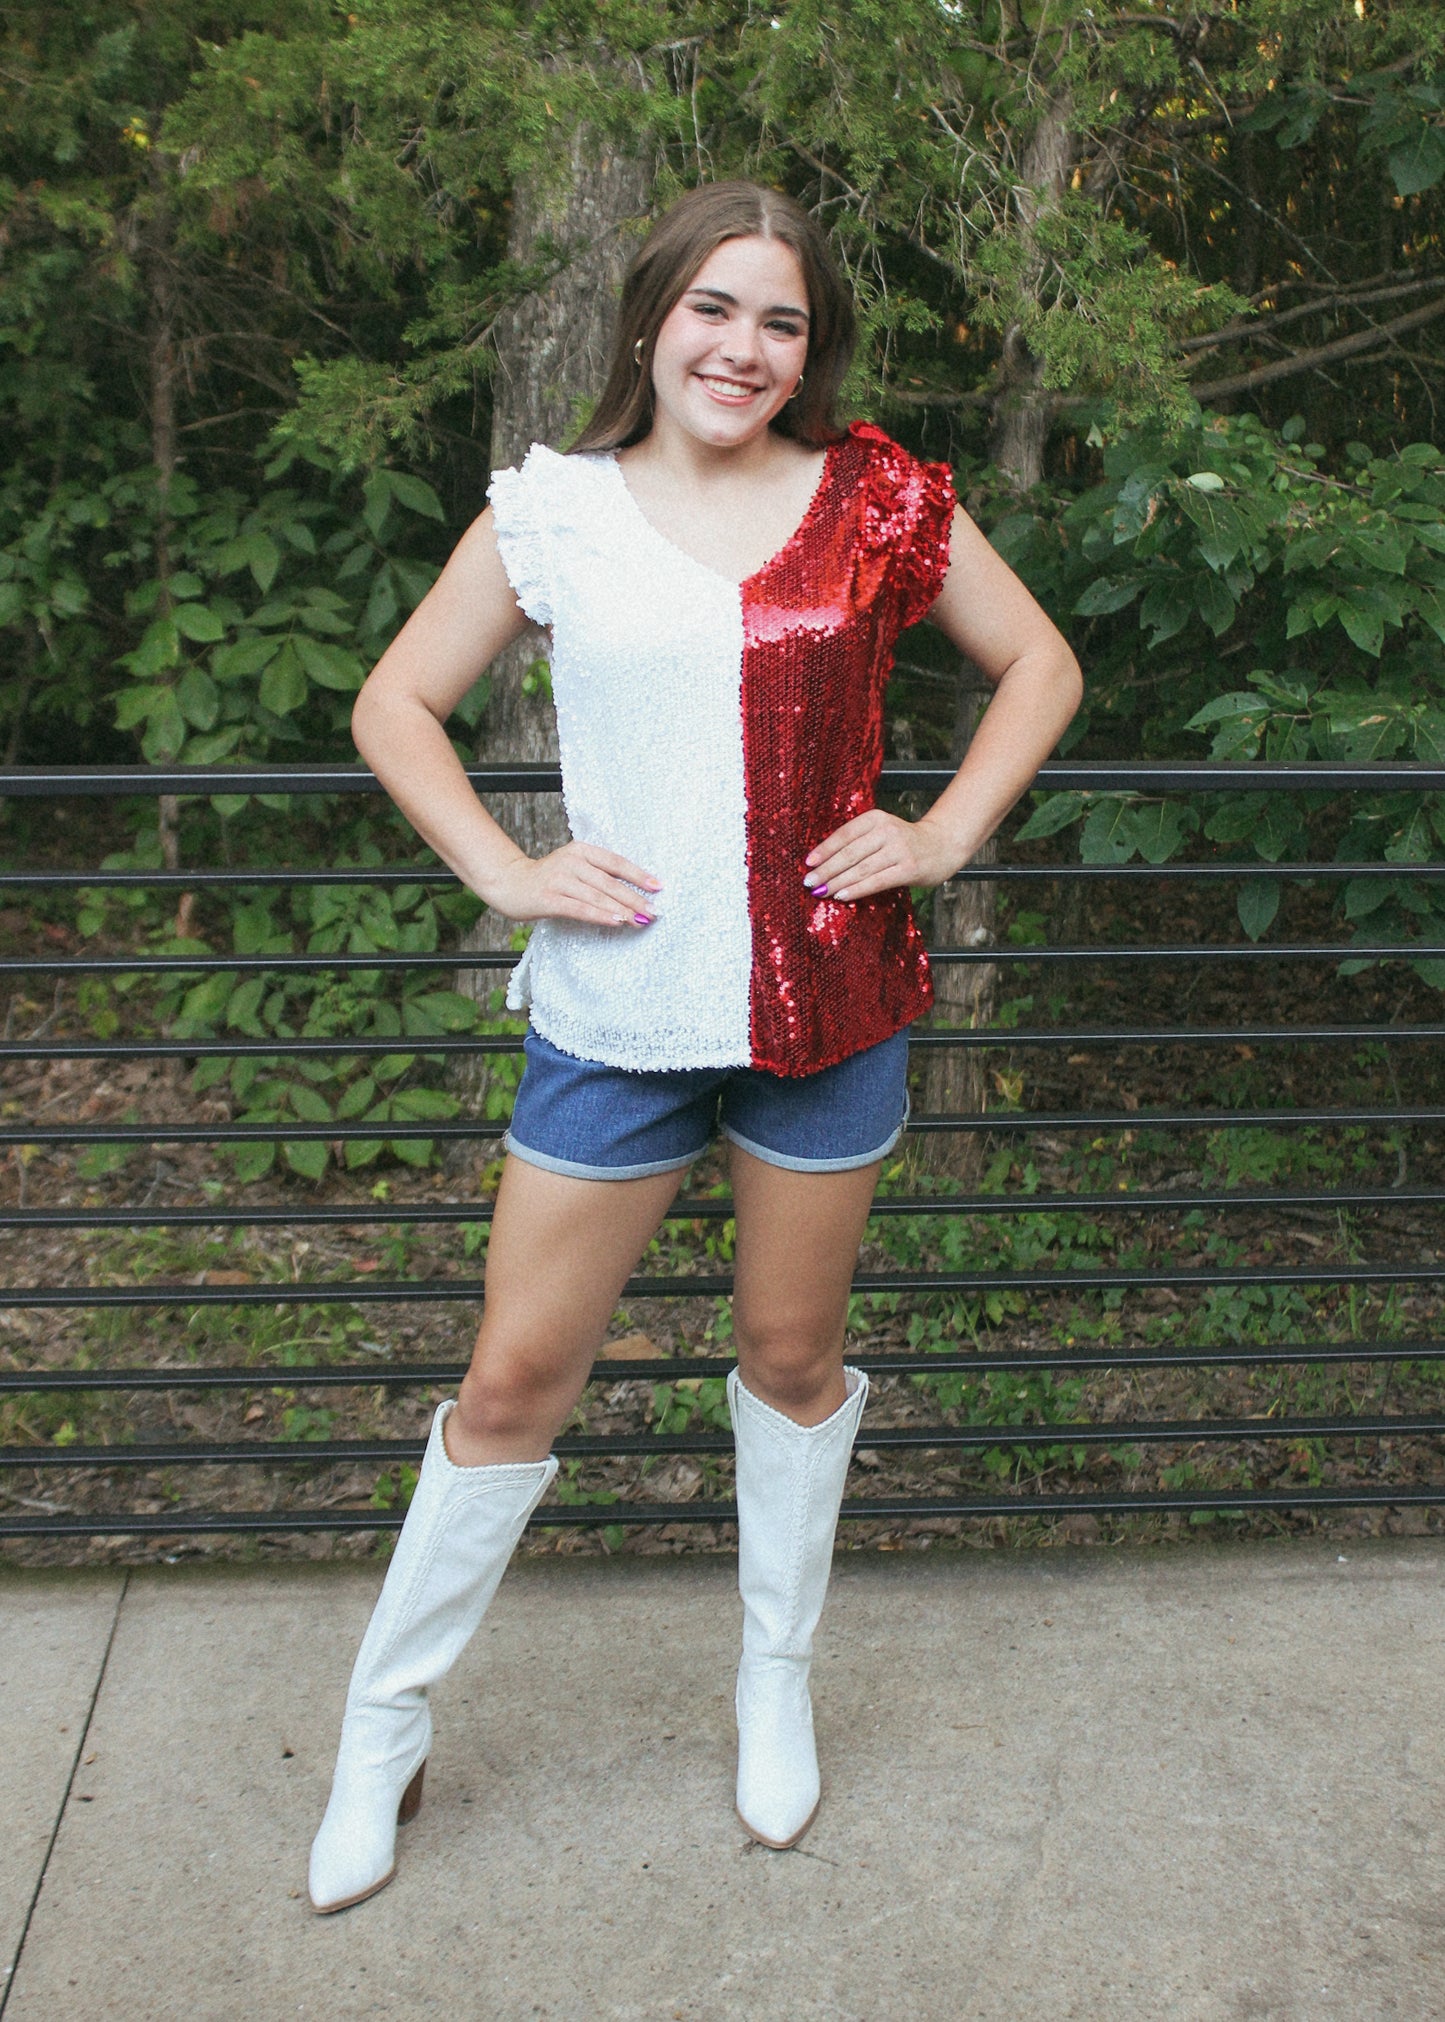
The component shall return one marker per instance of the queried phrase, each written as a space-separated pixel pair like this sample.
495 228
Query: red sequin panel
819 627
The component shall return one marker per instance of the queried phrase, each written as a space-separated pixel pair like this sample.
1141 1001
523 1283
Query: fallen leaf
631 1348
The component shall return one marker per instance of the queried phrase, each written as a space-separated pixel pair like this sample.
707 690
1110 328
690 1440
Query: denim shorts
592 1121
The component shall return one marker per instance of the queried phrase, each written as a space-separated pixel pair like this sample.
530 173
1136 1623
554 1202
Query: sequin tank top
714 732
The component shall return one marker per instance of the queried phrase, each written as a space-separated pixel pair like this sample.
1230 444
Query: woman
724 571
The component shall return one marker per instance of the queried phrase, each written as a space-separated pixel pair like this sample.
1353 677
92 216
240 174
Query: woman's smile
733 392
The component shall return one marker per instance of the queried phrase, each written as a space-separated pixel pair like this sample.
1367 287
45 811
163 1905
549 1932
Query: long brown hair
683 237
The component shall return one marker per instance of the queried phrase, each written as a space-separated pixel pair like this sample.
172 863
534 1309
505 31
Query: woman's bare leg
559 1254
797 1244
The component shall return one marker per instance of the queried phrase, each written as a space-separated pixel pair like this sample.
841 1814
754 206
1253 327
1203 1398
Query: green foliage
1334 586
245 648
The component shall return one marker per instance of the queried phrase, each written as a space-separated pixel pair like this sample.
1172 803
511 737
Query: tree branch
1265 326
1323 354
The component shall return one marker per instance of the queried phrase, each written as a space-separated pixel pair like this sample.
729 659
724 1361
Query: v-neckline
810 512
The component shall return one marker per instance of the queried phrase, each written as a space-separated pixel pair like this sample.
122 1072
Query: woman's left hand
877 852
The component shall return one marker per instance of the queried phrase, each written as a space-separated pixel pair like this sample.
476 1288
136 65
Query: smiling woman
727 943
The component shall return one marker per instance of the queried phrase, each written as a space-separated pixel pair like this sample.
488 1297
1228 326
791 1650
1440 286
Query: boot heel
411 1799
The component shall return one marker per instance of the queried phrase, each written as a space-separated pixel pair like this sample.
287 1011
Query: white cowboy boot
459 1533
789 1484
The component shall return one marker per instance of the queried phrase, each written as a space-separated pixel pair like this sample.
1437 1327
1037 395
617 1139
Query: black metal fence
1093 1040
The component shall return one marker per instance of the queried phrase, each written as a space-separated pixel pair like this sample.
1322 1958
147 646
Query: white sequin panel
646 673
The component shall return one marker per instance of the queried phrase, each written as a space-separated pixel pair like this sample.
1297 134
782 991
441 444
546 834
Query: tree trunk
956 1081
552 351
1021 406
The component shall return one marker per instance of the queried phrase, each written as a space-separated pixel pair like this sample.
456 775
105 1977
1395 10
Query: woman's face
730 352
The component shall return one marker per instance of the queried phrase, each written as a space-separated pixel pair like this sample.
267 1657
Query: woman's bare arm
445 647
987 613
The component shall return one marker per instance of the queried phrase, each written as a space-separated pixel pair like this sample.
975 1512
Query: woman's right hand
580 881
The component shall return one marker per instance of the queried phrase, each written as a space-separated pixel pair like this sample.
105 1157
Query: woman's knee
501 1398
791 1363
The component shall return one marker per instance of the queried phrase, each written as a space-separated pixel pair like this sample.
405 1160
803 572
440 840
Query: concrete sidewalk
1202 1785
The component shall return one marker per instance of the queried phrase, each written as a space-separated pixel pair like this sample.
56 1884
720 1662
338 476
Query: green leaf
329 666
204 1002
263 558
1242 720
1414 843
1054 811
159 648
1168 608
251 1161
1377 734
299 536
244 1005
1160 827
310 1158
134 705
199 698
422 1105
243 657
415 494
1366 628
448 1010
1108 835
283 685
198 622
381 606
1216 606
376 494
1205 480
1431 607
309 1104
1108 593
210 749
1418 163
166 732
1258 904
1363 896
1430 737
1239 702
353 1103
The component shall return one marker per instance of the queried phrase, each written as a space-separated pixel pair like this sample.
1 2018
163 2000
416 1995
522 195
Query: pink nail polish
820 891
642 919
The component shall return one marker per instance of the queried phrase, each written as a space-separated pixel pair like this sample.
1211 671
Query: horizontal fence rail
1367 1434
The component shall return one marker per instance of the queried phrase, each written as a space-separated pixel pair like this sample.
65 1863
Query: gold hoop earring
637 351
797 387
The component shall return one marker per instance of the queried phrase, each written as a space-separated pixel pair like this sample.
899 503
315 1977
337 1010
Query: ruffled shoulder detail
909 517
521 502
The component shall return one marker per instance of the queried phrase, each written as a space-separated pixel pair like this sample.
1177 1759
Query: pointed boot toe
354 1853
